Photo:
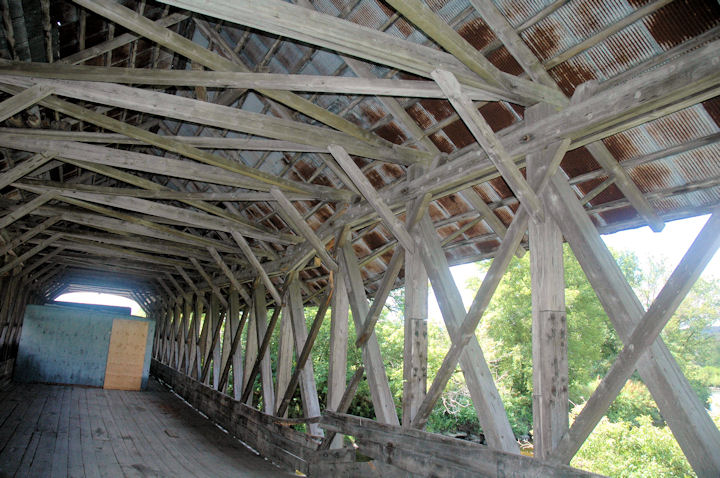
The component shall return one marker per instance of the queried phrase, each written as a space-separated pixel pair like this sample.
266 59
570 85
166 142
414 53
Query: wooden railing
419 453
270 436
388 450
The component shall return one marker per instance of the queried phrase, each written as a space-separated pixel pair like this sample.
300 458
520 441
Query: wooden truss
142 185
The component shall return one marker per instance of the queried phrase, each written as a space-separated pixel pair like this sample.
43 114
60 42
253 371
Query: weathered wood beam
261 328
337 357
643 336
255 263
463 335
229 274
164 193
372 358
391 272
346 37
488 215
296 221
235 356
27 235
154 187
690 423
237 324
23 210
304 356
343 406
210 317
191 283
283 366
84 154
371 196
549 324
204 142
436 28
44 259
27 255
88 53
191 218
485 136
155 246
196 53
22 100
126 225
262 350
304 343
208 279
251 347
427 454
415 338
245 80
138 99
24 168
485 397
114 251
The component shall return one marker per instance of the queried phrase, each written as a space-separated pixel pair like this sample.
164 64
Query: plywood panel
126 355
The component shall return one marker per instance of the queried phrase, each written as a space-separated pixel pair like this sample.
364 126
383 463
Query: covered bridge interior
227 164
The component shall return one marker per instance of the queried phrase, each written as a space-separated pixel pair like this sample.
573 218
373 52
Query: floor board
55 430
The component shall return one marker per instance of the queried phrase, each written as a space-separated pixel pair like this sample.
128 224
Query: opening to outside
102 299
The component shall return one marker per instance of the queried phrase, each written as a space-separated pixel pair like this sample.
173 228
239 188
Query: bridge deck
52 430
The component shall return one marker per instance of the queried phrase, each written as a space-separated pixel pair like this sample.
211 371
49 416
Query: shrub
621 449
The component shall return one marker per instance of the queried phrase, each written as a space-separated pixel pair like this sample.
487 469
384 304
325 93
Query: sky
671 243
102 299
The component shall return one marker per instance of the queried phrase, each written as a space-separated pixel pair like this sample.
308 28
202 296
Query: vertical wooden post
217 351
226 344
182 335
415 330
372 357
285 357
308 388
549 325
265 364
209 328
234 320
186 343
169 323
195 351
159 325
251 351
688 419
416 340
337 364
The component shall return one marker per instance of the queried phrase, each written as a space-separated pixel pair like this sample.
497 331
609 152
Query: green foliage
624 450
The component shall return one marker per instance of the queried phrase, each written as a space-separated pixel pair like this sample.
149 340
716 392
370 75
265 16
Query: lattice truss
230 156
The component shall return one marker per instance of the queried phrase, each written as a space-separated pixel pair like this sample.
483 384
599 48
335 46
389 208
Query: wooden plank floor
58 431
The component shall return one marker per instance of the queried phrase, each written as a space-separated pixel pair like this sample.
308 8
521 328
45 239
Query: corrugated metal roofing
549 28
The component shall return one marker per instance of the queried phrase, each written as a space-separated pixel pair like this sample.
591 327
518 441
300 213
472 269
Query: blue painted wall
66 344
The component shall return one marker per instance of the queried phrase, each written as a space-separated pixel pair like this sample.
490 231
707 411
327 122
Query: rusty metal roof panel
517 12
698 164
625 49
549 37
